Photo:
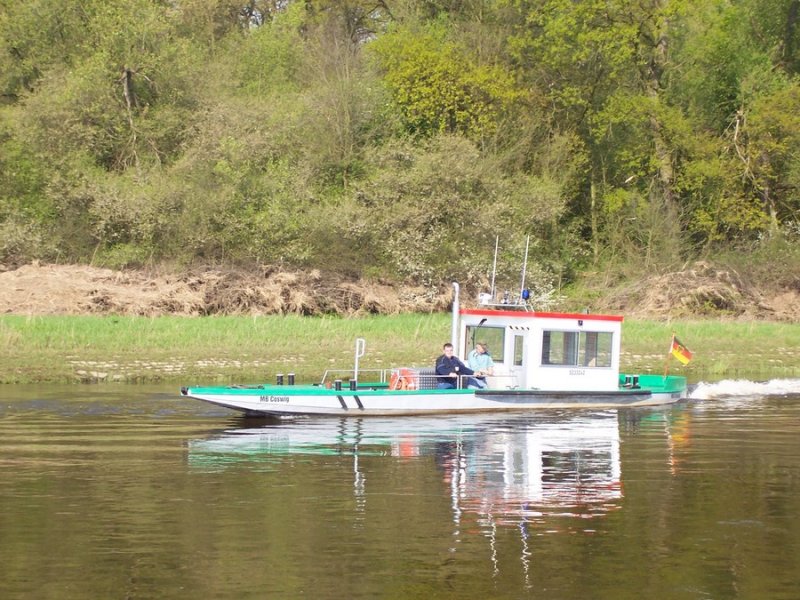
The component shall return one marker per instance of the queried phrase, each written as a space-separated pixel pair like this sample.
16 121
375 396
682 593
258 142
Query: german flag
679 351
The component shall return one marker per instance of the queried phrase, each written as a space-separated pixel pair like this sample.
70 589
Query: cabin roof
517 314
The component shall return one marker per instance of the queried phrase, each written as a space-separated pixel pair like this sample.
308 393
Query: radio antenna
494 266
524 265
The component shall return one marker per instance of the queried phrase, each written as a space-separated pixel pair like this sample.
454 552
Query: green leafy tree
38 37
737 86
602 69
439 88
768 145
270 57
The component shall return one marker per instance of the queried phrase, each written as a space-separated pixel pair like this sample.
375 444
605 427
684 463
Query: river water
135 492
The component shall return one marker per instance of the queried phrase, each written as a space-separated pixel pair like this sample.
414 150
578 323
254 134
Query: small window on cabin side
518 345
577 348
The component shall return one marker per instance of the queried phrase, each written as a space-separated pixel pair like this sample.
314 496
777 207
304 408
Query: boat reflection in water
566 466
504 469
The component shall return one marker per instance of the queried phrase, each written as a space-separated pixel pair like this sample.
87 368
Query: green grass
755 349
222 349
207 349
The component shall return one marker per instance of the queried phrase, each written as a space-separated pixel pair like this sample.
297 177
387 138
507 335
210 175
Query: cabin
543 350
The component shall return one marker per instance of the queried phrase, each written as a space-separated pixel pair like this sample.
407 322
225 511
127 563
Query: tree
602 70
737 85
768 145
438 88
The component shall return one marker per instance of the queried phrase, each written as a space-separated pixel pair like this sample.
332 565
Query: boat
542 360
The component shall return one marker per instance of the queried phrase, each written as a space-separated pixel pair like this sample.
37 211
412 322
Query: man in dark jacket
449 368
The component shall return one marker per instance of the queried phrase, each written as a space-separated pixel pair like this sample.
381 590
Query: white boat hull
311 400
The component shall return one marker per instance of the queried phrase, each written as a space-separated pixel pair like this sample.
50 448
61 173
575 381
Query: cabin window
577 348
518 345
493 337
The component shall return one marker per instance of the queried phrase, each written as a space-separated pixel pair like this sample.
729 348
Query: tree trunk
788 39
656 67
593 211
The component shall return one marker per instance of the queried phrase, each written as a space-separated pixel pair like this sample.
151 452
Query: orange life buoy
395 382
410 379
403 379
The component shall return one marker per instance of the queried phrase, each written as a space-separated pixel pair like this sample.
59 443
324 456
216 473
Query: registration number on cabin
577 371
284 399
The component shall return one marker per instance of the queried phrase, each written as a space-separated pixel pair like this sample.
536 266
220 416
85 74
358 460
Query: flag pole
666 362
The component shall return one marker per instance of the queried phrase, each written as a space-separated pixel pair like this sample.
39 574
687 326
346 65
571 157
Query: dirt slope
703 290
38 289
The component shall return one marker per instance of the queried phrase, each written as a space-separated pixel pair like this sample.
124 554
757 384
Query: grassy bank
197 350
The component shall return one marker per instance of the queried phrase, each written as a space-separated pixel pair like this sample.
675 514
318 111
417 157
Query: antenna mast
524 266
494 266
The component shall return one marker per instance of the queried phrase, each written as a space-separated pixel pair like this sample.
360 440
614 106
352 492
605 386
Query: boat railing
412 378
398 378
372 375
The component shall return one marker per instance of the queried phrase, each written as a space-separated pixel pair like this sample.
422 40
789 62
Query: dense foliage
397 138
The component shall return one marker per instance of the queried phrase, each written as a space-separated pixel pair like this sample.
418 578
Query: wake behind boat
542 360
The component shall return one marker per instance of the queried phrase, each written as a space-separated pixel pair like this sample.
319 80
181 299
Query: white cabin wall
559 377
535 375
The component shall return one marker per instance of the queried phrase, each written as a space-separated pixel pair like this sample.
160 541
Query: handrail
361 347
381 373
383 377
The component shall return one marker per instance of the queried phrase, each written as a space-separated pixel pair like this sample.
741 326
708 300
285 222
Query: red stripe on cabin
540 315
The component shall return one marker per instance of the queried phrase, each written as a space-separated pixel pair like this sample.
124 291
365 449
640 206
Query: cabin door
519 359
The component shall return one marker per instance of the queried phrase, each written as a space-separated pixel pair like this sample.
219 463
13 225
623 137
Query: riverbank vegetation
394 140
255 349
